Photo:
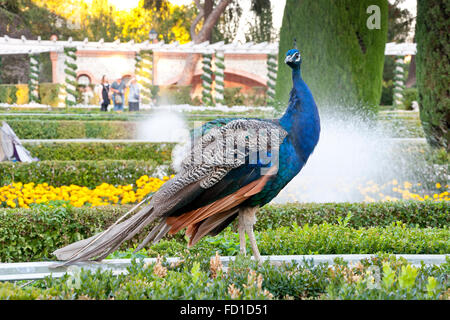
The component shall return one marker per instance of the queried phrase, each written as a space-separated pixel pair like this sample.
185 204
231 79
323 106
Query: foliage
433 68
227 26
23 230
412 213
83 173
381 277
409 95
22 94
8 93
387 91
388 278
256 96
342 57
174 94
158 152
261 27
63 129
48 93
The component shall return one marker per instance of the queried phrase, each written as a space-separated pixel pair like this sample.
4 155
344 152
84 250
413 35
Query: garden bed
199 277
85 173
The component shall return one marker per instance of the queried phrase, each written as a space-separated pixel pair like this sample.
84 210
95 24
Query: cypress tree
343 57
433 69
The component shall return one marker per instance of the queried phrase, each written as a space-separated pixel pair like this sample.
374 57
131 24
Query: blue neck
301 119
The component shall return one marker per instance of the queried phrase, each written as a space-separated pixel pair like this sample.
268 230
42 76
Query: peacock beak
289 59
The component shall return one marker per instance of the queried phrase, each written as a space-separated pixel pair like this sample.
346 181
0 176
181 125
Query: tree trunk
203 35
411 81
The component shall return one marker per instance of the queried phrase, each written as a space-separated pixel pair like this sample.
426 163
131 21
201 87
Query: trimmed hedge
8 93
83 173
423 214
63 151
48 93
31 235
37 129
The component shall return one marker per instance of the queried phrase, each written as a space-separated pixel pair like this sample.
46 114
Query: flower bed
23 195
86 174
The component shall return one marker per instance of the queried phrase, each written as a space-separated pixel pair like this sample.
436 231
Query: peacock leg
248 217
241 230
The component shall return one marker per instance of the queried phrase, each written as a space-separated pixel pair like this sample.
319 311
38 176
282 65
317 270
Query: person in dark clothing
118 88
105 94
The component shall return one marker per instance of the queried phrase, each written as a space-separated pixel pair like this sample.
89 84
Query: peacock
234 166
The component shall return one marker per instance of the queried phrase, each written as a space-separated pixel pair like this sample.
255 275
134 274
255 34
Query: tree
433 68
261 28
208 14
399 26
343 58
227 27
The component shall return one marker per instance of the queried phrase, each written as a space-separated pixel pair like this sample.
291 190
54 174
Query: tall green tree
261 28
342 57
399 27
433 69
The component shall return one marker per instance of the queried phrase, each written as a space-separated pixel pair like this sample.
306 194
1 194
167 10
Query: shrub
48 93
22 231
382 277
159 152
387 93
412 213
174 94
8 93
83 173
410 95
433 70
256 96
22 93
37 129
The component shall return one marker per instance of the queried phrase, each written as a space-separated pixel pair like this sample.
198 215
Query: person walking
134 96
118 88
105 94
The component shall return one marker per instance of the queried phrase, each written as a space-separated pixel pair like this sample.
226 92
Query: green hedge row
37 129
197 279
172 94
30 235
83 173
158 152
423 214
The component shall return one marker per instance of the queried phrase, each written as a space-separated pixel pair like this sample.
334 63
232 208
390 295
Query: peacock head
293 59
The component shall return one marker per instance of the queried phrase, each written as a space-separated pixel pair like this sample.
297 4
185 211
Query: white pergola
400 49
13 46
25 46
